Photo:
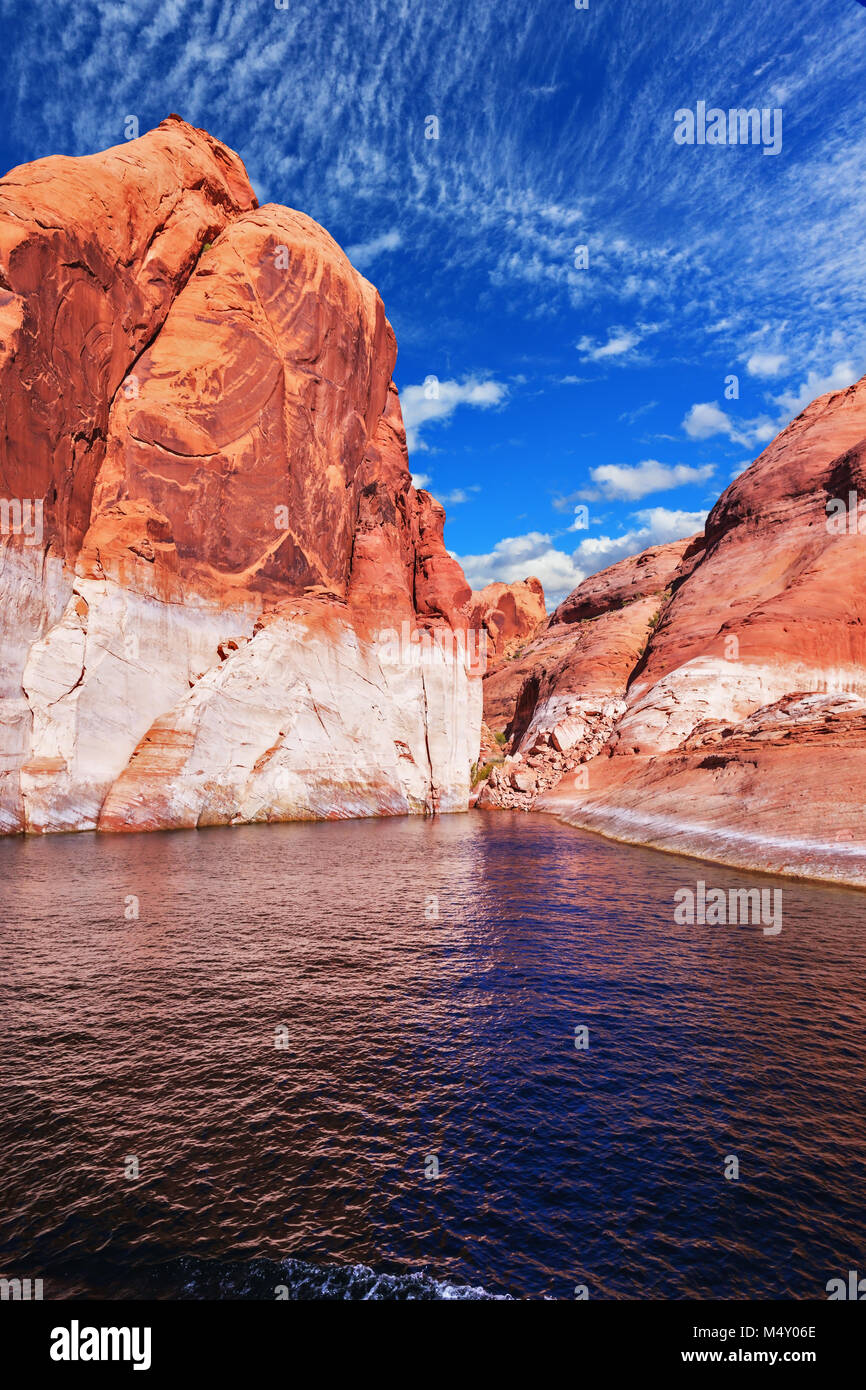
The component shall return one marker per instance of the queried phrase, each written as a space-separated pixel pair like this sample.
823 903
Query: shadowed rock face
198 392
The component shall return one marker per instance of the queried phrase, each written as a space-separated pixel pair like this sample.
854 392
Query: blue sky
558 387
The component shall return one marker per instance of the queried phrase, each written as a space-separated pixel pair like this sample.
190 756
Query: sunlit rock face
561 696
510 614
744 733
217 537
709 697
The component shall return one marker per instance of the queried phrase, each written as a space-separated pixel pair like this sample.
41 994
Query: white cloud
842 375
448 499
437 401
458 495
363 253
706 419
620 345
517 557
670 524
630 417
658 525
631 483
766 363
763 432
621 341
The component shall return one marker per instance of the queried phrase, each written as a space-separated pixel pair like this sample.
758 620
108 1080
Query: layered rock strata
223 600
742 726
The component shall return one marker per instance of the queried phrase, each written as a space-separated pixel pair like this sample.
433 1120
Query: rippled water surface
306 1166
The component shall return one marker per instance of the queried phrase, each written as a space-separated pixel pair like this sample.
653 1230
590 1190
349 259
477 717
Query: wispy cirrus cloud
365 253
619 346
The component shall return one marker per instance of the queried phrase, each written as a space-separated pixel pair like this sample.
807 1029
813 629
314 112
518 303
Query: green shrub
482 772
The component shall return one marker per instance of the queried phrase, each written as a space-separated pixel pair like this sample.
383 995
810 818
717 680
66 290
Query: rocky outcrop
650 572
743 734
560 701
509 614
776 604
710 698
237 607
92 254
309 720
781 792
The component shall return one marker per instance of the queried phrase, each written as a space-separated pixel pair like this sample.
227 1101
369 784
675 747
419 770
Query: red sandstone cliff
741 723
744 733
222 600
508 613
559 700
235 605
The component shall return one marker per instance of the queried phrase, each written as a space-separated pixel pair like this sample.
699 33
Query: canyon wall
709 698
222 598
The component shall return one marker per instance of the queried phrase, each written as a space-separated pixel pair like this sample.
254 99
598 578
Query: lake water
409 1041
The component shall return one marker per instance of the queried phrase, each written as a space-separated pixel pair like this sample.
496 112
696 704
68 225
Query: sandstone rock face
509 614
92 254
743 736
781 792
560 701
238 608
775 604
288 729
651 572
